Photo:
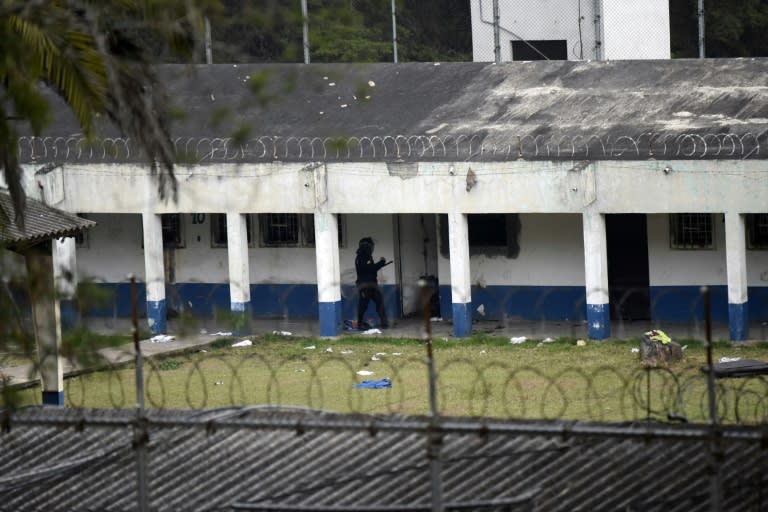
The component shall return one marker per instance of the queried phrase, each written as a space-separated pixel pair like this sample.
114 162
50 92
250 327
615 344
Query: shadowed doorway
628 280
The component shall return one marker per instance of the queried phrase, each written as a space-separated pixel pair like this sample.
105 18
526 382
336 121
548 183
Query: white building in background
549 191
571 29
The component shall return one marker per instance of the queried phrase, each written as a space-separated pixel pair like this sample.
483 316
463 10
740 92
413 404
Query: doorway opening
628 274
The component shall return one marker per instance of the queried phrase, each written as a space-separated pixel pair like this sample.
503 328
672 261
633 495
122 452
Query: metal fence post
140 436
700 15
715 450
394 33
496 28
434 437
305 30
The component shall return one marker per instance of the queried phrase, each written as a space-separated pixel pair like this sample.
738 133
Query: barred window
691 231
219 230
757 231
490 234
291 230
172 231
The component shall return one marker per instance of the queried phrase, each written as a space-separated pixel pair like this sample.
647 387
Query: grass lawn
478 376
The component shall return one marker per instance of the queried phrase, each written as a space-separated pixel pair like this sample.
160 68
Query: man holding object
367 282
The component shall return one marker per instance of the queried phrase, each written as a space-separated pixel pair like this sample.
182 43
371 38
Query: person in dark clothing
367 282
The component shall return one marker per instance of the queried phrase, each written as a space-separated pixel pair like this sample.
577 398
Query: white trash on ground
372 331
282 333
516 340
162 338
221 333
729 359
244 343
310 347
364 372
635 350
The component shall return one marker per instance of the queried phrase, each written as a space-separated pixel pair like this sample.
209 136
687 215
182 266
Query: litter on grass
364 373
372 331
282 333
374 384
221 333
729 359
244 343
162 338
310 347
329 349
516 340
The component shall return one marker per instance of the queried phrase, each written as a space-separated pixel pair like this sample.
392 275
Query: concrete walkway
185 338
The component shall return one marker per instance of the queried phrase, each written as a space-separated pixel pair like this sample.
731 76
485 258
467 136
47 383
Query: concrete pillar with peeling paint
596 275
154 273
328 273
46 320
239 273
461 287
736 263
65 273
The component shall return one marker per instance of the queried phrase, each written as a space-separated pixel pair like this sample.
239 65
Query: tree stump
654 353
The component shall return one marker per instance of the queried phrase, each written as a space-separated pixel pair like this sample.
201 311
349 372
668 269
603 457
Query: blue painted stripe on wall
598 321
523 302
68 311
330 315
685 303
53 398
157 316
738 315
462 319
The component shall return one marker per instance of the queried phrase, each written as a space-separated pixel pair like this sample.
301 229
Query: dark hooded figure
367 282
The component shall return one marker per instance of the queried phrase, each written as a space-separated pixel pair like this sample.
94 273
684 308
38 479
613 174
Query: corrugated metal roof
50 467
41 222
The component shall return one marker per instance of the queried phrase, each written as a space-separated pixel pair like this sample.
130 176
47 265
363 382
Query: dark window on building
691 231
491 234
219 230
291 230
172 232
556 49
757 231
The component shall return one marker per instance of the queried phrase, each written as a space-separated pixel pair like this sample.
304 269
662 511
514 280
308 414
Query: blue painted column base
157 316
330 318
598 321
68 310
738 321
53 398
241 315
462 320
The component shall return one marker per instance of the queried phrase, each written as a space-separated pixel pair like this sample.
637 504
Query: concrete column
736 263
328 273
596 275
65 274
154 273
461 287
46 321
239 273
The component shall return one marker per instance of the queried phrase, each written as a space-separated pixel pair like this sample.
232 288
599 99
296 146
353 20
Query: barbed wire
407 147
497 389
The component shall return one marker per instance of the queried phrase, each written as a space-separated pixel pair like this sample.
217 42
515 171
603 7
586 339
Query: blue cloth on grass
374 384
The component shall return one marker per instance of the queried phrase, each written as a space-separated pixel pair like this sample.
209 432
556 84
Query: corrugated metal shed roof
41 222
197 465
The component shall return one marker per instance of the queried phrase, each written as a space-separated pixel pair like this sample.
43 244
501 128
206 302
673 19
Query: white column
736 263
239 273
328 272
461 287
154 272
65 275
46 320
596 275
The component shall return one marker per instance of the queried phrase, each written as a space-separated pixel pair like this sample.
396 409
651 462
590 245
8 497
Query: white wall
551 254
114 249
635 29
630 29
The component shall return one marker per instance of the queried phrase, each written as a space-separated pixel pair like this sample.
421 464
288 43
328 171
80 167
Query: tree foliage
96 55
